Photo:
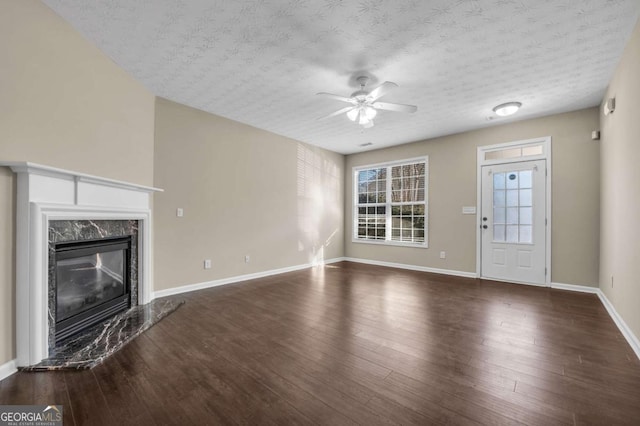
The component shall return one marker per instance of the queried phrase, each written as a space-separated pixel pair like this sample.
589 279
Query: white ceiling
261 62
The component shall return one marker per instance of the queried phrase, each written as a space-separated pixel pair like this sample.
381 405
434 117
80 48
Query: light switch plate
469 210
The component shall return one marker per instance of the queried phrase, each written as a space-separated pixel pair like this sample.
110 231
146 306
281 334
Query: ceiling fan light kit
364 103
506 109
370 112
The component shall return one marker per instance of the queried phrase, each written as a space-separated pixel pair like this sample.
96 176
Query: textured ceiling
261 62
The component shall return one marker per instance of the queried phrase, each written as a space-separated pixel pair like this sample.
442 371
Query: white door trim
545 142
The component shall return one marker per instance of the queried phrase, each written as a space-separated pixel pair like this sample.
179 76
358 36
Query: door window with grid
391 203
513 207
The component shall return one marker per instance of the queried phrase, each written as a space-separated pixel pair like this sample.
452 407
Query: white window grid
379 215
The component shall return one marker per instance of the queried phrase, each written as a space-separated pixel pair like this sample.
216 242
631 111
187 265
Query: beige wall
452 185
244 191
620 162
65 104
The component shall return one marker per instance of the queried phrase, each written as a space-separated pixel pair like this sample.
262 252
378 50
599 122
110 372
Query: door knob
484 226
484 219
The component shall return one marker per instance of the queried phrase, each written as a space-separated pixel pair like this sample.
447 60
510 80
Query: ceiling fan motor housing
361 94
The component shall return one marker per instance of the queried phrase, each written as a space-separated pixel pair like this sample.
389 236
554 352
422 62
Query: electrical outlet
207 264
443 255
247 259
179 212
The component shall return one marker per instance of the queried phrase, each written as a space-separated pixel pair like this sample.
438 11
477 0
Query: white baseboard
413 267
224 281
334 260
8 368
574 287
624 328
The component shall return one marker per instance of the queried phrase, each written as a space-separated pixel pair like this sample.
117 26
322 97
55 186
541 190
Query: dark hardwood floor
358 344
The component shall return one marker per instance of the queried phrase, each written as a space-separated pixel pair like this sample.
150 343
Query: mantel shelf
39 169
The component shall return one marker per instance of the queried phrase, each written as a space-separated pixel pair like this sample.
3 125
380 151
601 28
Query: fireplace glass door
92 283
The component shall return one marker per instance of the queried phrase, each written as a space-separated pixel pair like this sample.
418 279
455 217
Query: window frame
388 204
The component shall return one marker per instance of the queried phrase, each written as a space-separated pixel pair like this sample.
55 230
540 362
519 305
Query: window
520 151
390 203
513 207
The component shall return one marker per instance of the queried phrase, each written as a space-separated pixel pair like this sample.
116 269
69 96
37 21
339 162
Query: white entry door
513 222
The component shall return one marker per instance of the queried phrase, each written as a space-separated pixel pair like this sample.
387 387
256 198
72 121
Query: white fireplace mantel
47 193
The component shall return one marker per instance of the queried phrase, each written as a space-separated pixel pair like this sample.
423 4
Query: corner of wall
620 199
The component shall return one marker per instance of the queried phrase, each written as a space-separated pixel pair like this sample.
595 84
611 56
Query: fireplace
92 283
54 209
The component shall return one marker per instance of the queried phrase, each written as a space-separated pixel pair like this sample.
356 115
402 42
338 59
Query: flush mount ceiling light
507 109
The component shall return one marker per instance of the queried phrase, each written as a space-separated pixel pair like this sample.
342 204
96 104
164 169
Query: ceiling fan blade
394 107
338 97
381 90
338 112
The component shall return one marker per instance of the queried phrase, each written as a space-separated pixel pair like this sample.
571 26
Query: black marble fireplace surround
81 232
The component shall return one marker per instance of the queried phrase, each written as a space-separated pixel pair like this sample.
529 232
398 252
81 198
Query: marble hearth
92 346
55 205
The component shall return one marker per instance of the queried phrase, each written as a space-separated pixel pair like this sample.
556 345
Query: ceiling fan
364 104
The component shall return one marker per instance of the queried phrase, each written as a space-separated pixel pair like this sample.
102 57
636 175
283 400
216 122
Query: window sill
424 245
